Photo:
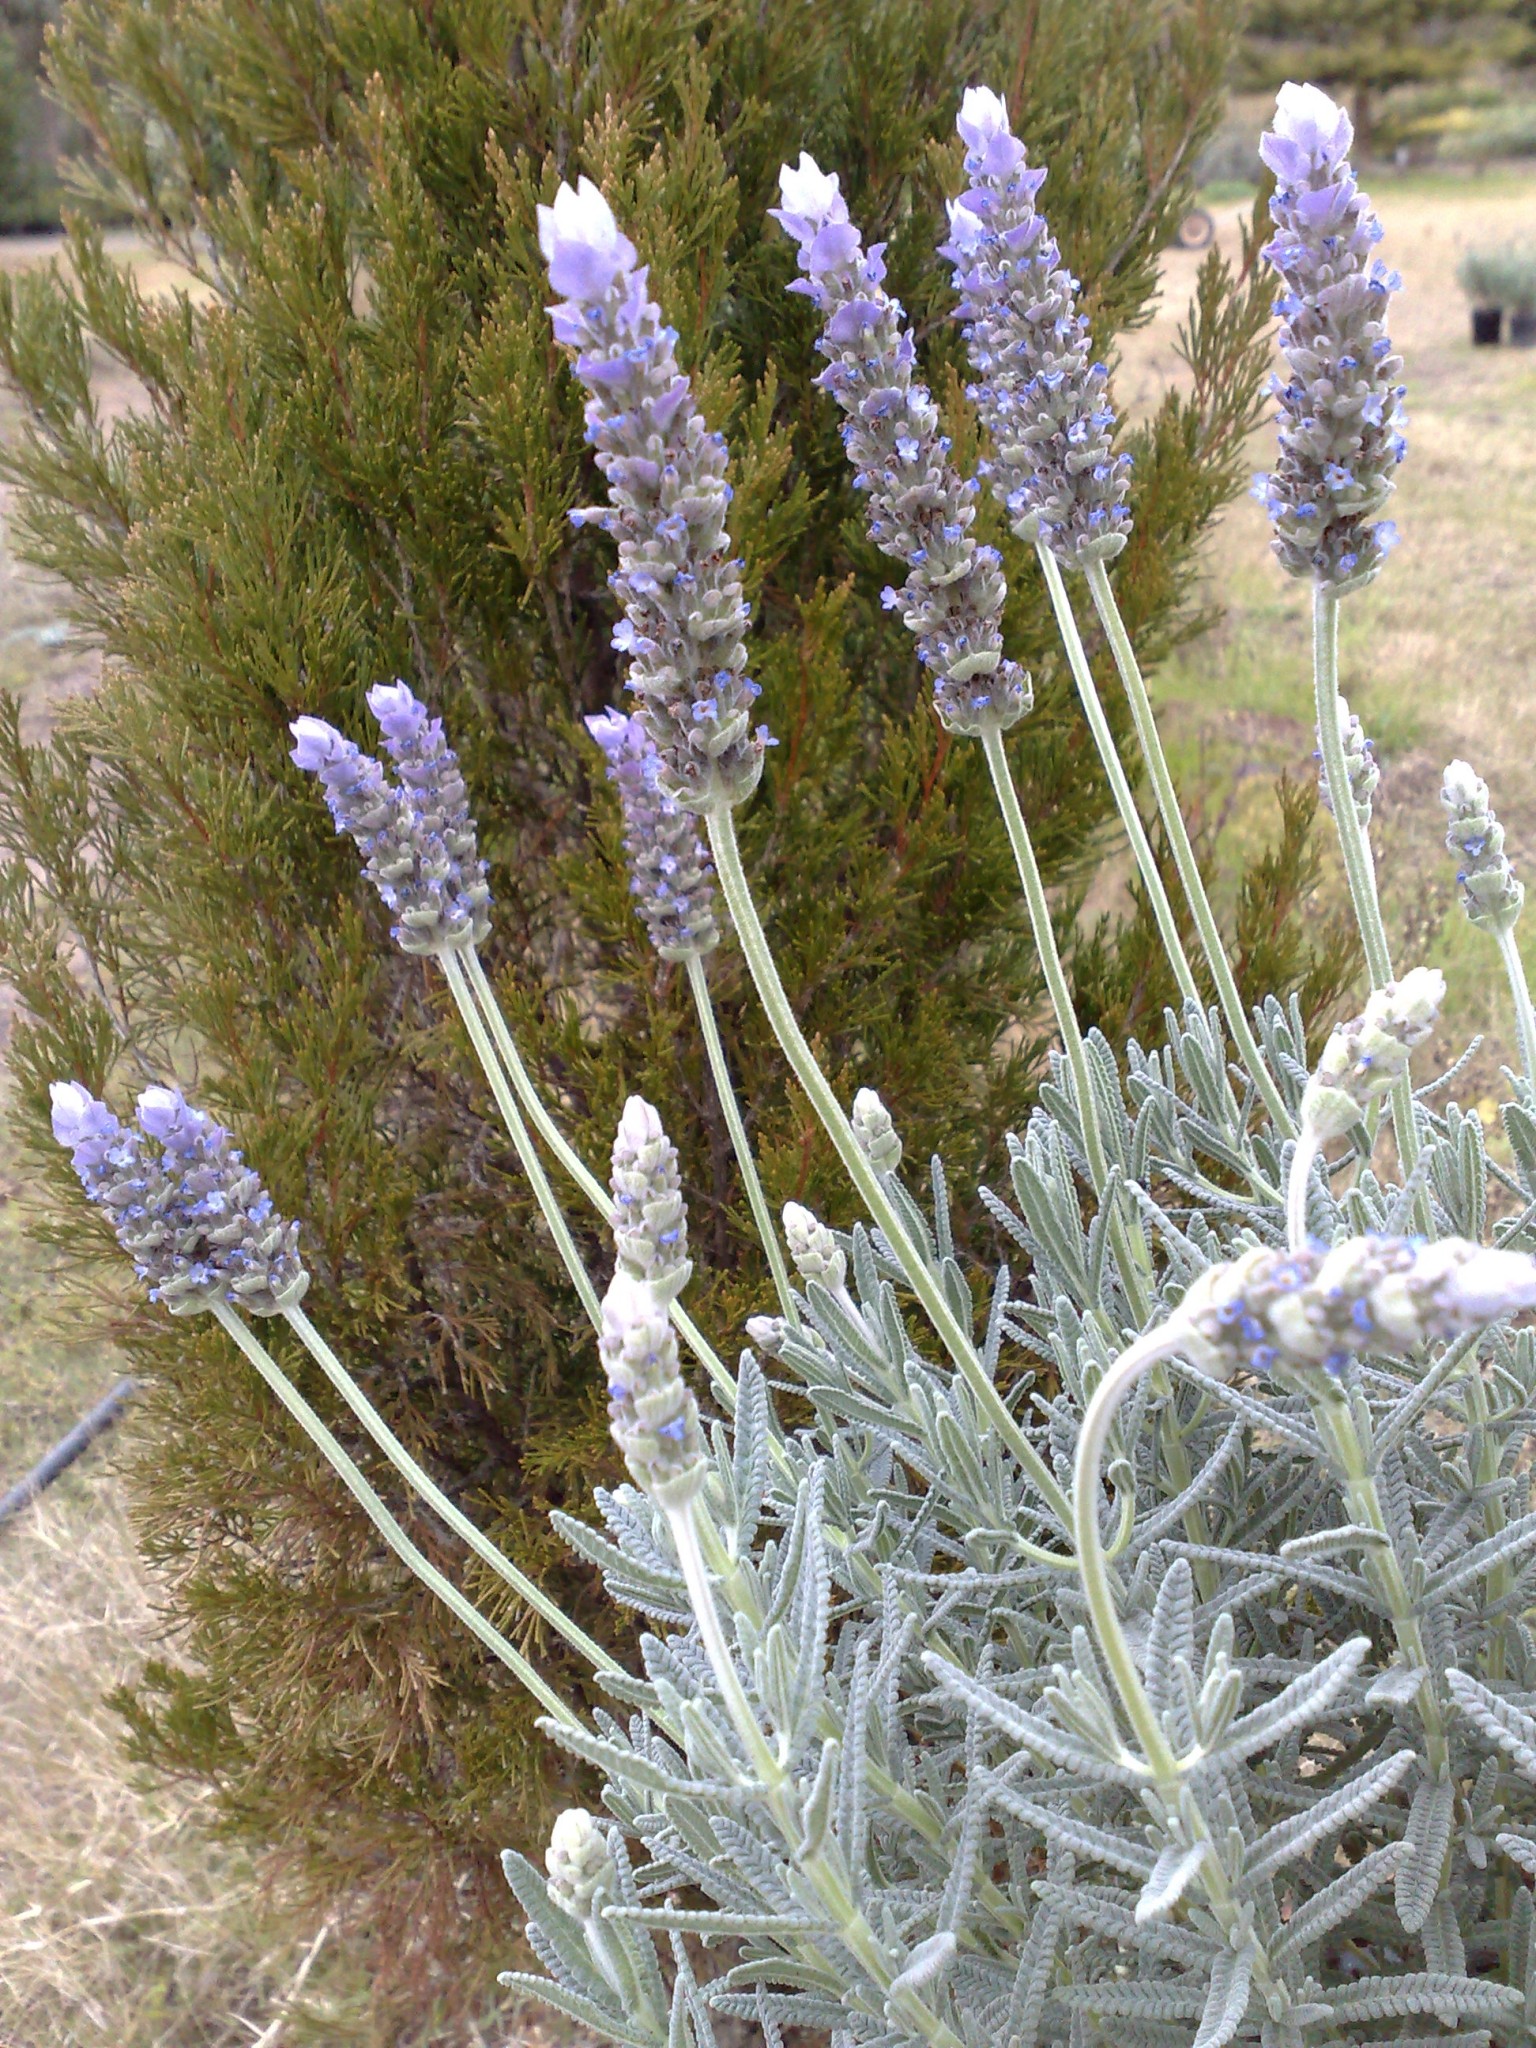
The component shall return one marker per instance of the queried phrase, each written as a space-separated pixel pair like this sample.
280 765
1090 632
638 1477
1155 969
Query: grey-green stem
1228 994
416 1476
725 1093
924 1283
368 1500
1520 990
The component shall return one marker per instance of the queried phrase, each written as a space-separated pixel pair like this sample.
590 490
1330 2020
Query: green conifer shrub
356 459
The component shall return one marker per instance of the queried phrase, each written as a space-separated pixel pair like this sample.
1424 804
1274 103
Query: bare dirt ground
122 1923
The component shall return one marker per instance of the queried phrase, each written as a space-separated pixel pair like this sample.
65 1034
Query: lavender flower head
194 1219
671 878
1491 891
685 619
1360 765
1270 1311
650 1217
416 836
1366 1056
1040 394
1341 406
654 1416
920 512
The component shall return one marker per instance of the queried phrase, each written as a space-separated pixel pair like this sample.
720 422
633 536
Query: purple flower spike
418 841
671 877
685 619
1040 394
920 511
1341 407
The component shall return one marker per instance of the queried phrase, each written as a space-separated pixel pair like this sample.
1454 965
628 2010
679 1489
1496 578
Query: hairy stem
1520 989
374 1423
570 1159
381 1518
1109 754
1227 991
698 982
923 1282
1303 1159
533 1166
1132 1255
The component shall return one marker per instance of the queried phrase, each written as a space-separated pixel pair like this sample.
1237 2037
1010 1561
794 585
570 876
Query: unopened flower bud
654 1416
813 1248
874 1131
650 1219
580 1863
1491 892
1274 1311
1359 765
766 1334
1365 1057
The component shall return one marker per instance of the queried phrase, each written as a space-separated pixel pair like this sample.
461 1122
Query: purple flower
417 837
920 512
685 619
1341 405
1040 395
671 877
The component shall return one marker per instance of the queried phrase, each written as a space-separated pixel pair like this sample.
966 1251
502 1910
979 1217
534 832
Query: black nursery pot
1486 322
1522 329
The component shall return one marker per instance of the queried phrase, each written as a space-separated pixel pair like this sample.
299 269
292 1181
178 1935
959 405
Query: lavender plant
1127 1640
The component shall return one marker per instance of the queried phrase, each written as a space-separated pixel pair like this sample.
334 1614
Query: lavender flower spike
1341 406
417 842
671 877
1491 892
1040 394
920 511
685 619
654 1416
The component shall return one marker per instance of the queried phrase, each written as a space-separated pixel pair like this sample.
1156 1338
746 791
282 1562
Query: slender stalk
1130 1244
701 1596
698 982
1227 991
1109 754
599 1197
436 1499
1519 988
532 1165
384 1521
1093 1566
924 1284
1303 1159
1359 868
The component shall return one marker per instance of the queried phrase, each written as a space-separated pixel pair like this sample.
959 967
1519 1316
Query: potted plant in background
1481 275
1520 296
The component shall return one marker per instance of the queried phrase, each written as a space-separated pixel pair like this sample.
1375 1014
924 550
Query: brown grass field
124 1922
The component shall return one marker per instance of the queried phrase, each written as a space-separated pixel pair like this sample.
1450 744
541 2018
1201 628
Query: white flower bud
813 1248
1365 1057
874 1131
579 1862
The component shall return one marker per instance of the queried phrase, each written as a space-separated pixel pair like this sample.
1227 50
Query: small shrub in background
356 459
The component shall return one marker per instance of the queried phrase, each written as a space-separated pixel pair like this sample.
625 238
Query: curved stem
1519 988
1355 846
1183 852
384 1521
923 1282
1303 1159
1109 754
1093 1566
1133 1257
438 1501
532 1165
573 1163
698 982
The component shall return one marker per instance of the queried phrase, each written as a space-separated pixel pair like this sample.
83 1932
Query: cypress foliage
355 460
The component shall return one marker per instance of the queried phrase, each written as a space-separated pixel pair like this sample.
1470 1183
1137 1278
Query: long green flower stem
1132 1255
783 1796
570 1159
1163 1767
1359 868
1102 592
1520 989
757 1201
1336 1425
325 1357
1109 754
384 1521
1303 1159
532 1165
924 1283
